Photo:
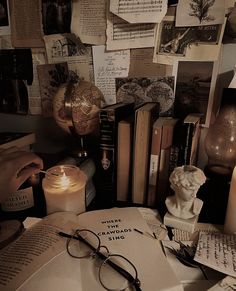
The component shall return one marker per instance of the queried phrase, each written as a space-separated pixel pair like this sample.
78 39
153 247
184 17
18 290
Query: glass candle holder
64 189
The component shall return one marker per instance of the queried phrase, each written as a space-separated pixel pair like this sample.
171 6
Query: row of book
138 149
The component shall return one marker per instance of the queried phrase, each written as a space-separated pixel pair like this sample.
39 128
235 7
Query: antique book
144 119
21 140
154 161
166 142
124 158
107 164
38 260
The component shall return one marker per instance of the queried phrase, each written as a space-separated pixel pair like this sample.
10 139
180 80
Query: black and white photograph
4 18
230 28
193 86
56 16
175 40
200 12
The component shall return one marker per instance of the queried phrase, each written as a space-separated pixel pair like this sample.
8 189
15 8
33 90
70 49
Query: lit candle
230 217
64 189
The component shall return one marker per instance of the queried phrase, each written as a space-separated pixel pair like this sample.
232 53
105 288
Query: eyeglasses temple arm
120 270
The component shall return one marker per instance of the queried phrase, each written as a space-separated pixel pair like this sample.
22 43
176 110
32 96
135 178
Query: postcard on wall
51 76
195 85
141 64
67 48
89 21
124 35
230 28
139 11
107 67
56 16
5 28
140 90
195 13
201 43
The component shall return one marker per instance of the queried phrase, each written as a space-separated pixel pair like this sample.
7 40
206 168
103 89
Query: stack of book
138 151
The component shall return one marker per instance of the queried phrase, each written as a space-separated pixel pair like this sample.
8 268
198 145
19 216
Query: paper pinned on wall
107 67
139 11
124 35
89 21
189 13
67 48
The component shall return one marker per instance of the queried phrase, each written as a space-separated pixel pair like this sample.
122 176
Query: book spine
124 160
106 164
154 166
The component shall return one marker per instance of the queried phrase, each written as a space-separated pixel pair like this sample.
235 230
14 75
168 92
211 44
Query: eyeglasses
115 271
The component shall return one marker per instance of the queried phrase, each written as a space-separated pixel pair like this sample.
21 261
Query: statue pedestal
179 223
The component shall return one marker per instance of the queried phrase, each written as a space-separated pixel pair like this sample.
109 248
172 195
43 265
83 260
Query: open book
38 260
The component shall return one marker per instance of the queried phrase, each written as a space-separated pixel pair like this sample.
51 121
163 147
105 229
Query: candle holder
64 189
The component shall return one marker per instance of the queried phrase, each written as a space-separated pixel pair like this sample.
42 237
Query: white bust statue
185 181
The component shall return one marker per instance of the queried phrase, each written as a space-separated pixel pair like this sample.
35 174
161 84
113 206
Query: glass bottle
27 201
220 142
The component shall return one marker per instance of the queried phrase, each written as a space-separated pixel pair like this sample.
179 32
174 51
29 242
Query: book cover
154 161
107 164
40 255
144 119
166 143
21 140
124 158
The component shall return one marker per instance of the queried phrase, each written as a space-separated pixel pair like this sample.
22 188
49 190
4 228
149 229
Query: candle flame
65 181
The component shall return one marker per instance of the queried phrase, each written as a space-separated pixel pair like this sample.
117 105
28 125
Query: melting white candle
66 191
230 217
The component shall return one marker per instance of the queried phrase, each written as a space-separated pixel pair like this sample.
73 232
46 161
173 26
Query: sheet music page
217 251
124 35
107 67
89 21
135 11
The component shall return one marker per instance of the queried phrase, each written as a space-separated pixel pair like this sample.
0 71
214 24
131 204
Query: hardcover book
154 161
107 164
144 119
21 140
166 142
124 158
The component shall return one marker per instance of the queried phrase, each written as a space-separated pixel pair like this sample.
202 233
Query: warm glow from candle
65 181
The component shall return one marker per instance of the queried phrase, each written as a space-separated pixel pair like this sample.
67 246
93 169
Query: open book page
182 235
218 251
154 221
33 249
192 277
115 227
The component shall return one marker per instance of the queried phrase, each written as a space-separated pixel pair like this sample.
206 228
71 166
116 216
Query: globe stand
81 152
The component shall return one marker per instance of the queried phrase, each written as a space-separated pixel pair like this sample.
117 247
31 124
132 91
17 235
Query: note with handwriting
218 251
